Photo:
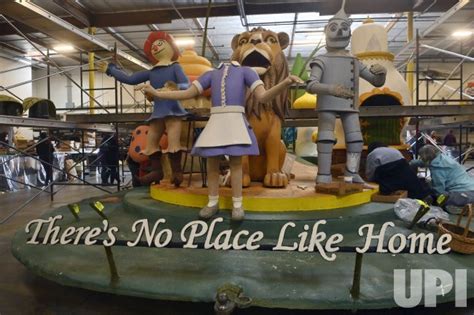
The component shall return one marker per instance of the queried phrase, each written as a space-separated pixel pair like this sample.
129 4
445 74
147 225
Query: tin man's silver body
335 80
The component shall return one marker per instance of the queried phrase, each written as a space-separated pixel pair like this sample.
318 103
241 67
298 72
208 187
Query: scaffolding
109 128
465 120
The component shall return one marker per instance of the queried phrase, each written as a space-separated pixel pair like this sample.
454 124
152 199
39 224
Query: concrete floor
21 292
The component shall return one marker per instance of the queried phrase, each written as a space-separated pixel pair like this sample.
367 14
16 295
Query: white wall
468 69
59 88
13 77
23 91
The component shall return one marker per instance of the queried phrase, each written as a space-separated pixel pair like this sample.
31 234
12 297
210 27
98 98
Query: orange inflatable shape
194 66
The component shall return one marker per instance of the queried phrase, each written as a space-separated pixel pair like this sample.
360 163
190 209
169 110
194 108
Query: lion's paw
246 180
275 180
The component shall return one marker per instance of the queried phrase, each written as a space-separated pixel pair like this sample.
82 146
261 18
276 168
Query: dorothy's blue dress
227 131
157 76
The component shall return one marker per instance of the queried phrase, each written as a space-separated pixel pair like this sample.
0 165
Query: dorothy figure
227 131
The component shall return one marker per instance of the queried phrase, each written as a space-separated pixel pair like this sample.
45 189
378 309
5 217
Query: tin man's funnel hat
341 14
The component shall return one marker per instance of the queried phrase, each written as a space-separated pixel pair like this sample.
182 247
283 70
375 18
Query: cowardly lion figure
262 50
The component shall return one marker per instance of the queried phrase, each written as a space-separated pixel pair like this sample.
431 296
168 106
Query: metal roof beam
25 29
448 52
166 15
211 46
50 123
6 29
298 115
73 56
119 37
153 27
159 16
73 29
446 121
78 12
13 48
396 111
243 15
440 20
292 36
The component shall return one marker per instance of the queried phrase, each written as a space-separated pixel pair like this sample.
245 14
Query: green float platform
271 279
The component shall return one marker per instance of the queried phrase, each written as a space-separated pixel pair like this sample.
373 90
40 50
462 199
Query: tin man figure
335 79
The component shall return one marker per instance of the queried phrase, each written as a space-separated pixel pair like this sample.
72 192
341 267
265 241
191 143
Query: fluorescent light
462 33
63 48
184 42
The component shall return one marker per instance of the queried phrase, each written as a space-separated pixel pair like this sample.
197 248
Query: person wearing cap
448 177
390 170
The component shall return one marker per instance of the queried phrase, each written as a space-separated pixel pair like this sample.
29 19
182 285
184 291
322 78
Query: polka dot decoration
138 144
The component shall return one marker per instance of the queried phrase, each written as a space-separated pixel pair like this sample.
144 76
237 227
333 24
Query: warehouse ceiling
127 23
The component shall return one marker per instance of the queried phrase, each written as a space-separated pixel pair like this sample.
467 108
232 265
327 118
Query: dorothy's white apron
226 126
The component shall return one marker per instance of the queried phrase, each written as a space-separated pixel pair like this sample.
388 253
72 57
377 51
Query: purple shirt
234 86
157 76
228 87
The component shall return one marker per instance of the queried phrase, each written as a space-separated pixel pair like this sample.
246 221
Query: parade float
295 249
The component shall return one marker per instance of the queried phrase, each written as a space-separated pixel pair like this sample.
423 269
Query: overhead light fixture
63 48
462 33
184 42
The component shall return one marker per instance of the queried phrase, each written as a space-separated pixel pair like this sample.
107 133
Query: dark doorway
386 130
